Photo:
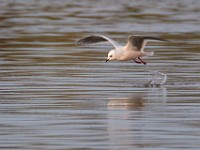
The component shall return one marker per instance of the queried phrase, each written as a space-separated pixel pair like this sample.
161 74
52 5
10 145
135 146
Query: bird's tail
149 53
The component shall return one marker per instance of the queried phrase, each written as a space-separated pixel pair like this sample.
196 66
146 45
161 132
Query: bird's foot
142 61
138 62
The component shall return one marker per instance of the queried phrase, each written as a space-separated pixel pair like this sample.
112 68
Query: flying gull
133 50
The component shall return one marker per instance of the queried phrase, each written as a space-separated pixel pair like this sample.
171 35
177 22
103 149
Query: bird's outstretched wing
137 42
97 39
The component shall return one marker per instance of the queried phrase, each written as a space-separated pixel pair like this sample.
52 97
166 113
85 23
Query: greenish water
58 95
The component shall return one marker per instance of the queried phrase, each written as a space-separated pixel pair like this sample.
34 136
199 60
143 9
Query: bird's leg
142 61
138 62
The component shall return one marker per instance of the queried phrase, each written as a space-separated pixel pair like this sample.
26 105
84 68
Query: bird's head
111 55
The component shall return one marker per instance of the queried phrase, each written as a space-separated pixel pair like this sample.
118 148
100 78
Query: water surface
58 95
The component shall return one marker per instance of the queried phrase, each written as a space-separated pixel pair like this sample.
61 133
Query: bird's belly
130 55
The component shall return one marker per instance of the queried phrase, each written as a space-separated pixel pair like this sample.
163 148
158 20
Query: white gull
133 50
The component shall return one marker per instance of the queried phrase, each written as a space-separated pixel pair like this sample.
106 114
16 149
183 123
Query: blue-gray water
58 95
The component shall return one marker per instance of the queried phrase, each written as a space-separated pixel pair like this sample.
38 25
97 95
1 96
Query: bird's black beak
107 60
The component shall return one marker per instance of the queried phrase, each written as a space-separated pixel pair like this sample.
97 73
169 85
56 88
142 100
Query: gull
133 50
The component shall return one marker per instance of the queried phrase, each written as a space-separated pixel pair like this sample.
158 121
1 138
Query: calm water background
58 95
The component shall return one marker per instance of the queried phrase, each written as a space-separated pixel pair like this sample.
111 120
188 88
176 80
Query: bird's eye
110 55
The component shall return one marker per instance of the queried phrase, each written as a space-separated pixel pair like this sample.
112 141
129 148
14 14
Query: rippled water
58 95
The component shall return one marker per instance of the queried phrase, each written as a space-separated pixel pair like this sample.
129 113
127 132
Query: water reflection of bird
136 102
133 50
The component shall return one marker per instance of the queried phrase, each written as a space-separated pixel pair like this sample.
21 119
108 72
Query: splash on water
156 78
